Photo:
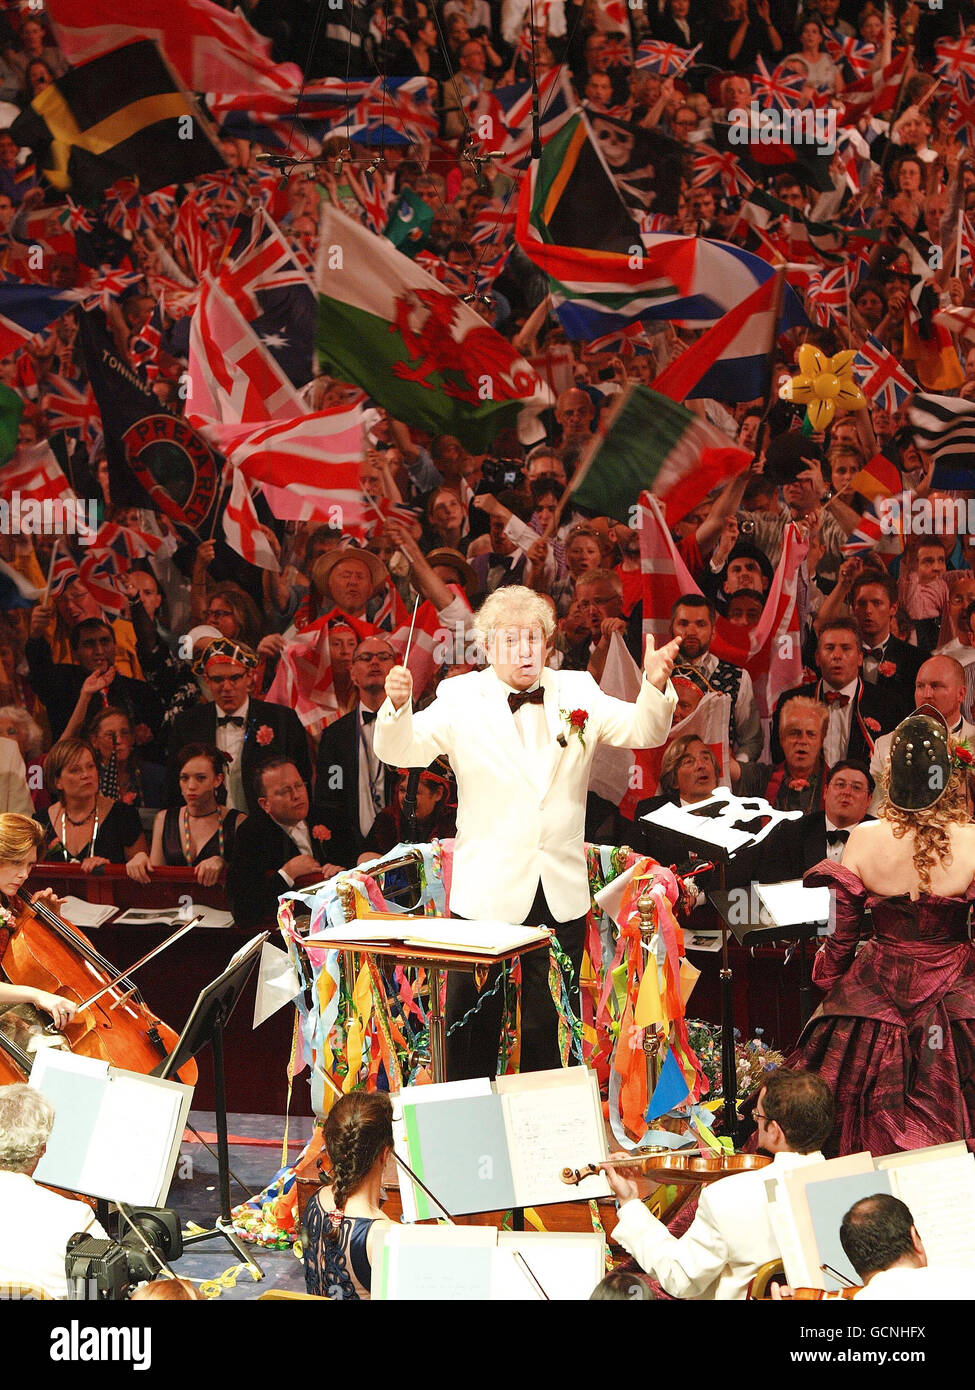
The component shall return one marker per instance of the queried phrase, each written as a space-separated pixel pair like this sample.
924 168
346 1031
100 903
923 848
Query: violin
817 1295
45 951
664 1165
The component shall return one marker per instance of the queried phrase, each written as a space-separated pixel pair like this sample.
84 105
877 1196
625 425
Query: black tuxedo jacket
791 848
199 725
253 881
871 702
337 789
58 684
900 686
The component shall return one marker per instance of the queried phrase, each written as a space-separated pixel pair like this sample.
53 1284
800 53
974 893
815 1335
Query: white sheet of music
941 1196
553 1121
789 904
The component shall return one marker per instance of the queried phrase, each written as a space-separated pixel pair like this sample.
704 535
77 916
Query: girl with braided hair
344 1224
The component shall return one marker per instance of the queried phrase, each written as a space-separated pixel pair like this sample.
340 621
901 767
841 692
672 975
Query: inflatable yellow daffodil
822 384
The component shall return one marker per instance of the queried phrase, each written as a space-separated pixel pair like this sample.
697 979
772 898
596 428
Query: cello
45 951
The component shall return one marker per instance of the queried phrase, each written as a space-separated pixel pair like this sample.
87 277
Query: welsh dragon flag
416 348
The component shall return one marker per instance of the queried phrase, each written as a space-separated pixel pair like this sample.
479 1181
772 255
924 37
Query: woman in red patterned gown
895 1036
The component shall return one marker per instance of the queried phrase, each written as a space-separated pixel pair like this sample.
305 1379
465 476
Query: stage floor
194 1196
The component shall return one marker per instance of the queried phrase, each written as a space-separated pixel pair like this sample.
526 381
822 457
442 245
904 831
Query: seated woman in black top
201 831
344 1225
82 826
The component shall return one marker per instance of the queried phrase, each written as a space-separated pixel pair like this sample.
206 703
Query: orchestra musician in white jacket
520 738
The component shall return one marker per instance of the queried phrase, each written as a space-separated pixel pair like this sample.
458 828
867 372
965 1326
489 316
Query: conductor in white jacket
522 769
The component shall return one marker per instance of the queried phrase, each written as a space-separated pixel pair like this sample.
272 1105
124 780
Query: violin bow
131 969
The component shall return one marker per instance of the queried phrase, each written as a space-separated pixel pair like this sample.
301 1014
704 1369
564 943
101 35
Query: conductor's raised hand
399 686
658 665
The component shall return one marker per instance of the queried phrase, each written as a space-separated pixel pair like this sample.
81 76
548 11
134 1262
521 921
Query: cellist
20 839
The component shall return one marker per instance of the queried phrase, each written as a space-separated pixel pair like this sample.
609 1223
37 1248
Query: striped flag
945 427
709 722
308 468
232 376
880 375
730 361
878 478
652 443
303 680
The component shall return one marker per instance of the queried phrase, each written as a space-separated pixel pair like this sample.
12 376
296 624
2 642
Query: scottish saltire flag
665 59
880 376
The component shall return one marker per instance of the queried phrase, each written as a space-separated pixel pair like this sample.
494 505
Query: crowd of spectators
158 735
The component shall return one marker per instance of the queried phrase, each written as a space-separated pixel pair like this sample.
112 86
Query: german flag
123 115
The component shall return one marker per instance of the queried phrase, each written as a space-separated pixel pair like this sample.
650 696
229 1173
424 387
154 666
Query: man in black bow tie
796 845
246 729
352 786
520 738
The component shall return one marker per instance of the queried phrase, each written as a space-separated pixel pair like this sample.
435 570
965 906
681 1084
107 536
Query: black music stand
765 928
207 1020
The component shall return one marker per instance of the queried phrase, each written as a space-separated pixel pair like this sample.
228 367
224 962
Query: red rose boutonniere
962 757
129 798
872 725
322 832
886 668
798 784
265 735
576 721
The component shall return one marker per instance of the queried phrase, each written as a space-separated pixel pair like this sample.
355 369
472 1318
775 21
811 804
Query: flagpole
961 219
770 399
50 568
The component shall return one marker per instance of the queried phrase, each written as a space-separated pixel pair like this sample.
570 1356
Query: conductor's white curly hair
513 607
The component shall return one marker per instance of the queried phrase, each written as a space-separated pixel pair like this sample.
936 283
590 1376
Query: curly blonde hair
932 843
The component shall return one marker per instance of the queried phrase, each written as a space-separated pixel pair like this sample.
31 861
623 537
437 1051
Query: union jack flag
144 346
495 222
98 573
963 117
665 59
776 88
849 54
374 198
124 207
826 296
108 286
630 339
64 570
711 164
618 52
76 219
955 60
880 376
70 409
265 262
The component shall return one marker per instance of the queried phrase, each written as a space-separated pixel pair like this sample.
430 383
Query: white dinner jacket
725 1245
520 818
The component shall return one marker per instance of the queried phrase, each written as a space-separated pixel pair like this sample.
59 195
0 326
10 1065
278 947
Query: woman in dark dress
895 1036
122 772
344 1224
82 826
200 833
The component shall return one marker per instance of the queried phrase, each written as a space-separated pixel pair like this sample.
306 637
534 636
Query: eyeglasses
220 613
227 680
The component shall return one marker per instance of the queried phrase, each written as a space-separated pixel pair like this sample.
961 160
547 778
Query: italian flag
417 349
651 443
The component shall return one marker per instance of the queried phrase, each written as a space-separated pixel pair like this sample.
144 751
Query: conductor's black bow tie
525 697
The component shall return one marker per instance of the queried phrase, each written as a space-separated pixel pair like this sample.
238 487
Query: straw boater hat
324 565
453 559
